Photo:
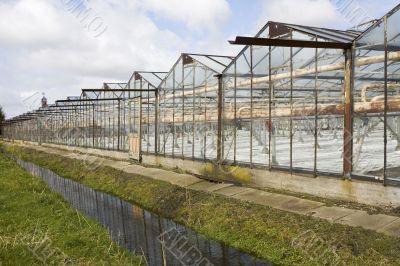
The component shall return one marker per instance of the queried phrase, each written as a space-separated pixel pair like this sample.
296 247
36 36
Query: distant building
44 102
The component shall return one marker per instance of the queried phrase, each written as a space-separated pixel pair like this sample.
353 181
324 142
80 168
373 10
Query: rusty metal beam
348 130
385 119
240 40
89 100
116 90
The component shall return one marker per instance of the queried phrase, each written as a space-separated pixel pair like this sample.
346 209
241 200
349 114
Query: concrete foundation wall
366 192
105 153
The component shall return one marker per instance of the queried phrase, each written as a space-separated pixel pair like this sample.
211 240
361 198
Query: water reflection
162 241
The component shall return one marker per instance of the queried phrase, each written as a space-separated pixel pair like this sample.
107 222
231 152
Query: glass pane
188 137
368 125
280 128
330 116
228 133
243 108
393 123
303 110
260 105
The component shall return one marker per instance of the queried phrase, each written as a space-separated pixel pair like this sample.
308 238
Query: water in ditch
160 240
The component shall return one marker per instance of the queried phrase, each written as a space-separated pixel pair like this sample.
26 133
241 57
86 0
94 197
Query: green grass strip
37 227
277 236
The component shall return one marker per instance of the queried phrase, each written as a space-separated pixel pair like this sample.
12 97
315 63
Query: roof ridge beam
240 40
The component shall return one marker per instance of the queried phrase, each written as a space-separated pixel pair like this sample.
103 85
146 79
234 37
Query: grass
37 227
280 237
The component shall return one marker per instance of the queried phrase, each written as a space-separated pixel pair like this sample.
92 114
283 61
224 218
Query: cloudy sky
47 47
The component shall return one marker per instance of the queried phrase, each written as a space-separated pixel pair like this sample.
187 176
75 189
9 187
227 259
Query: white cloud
198 15
304 12
45 48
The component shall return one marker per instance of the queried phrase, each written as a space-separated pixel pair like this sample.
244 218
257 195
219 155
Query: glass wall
166 113
330 112
229 128
243 107
368 104
303 95
281 103
188 107
145 85
94 120
376 122
283 106
393 95
260 106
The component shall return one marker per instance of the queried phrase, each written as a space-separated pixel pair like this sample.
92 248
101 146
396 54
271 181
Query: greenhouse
188 107
296 98
142 107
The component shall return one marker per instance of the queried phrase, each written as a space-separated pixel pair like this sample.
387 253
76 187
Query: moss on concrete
233 174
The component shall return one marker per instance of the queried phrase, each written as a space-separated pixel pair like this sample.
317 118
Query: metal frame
240 40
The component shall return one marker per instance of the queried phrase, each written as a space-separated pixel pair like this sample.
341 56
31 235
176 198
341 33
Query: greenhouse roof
215 62
154 78
114 86
328 34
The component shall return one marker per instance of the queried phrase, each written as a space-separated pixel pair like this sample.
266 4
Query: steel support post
119 124
316 111
219 128
291 109
269 108
386 101
348 130
251 106
156 133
